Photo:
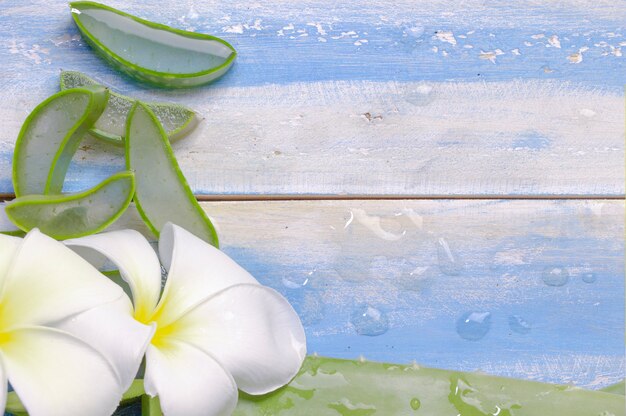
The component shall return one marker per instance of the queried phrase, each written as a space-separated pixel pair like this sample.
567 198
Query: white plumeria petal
134 257
8 247
188 381
48 282
196 270
56 374
113 331
3 387
252 331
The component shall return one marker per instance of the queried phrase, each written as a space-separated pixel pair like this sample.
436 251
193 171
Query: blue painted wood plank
331 258
437 41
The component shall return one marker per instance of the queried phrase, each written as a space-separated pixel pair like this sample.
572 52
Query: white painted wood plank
331 257
365 138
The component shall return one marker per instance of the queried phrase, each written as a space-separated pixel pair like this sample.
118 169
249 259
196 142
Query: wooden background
426 159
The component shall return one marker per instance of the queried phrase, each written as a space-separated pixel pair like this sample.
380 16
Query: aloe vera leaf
617 388
177 120
327 386
51 135
163 194
152 52
12 230
14 405
150 406
134 392
74 215
14 233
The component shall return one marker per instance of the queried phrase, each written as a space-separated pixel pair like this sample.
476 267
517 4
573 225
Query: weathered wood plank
423 264
442 99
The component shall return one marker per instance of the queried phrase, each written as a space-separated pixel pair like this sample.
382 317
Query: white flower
217 328
44 289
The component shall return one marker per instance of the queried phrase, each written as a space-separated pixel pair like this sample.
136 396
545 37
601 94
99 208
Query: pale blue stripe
389 54
579 323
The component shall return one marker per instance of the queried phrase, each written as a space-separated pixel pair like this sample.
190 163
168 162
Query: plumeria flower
47 294
217 328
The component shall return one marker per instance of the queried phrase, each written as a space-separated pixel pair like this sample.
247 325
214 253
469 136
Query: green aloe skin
151 52
617 388
163 194
178 121
329 386
50 137
64 216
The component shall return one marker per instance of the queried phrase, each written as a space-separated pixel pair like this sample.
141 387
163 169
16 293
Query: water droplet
555 276
449 262
420 95
415 403
386 228
297 281
368 320
473 325
519 324
589 277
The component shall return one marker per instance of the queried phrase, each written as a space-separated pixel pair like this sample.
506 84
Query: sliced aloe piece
163 194
152 52
328 386
50 136
74 215
177 120
617 388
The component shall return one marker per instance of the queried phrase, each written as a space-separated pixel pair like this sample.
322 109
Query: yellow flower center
143 314
5 337
163 334
165 331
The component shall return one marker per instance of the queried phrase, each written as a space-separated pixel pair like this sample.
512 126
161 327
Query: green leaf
617 388
50 136
177 120
332 386
134 392
150 406
163 194
74 215
14 405
152 52
14 233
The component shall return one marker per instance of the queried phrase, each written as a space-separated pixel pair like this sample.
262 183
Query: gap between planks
253 198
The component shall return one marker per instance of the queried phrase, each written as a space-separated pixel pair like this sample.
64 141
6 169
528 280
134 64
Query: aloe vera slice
163 194
177 120
617 388
327 386
152 52
50 136
74 215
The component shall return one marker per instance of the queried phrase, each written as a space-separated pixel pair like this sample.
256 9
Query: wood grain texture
382 98
329 258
